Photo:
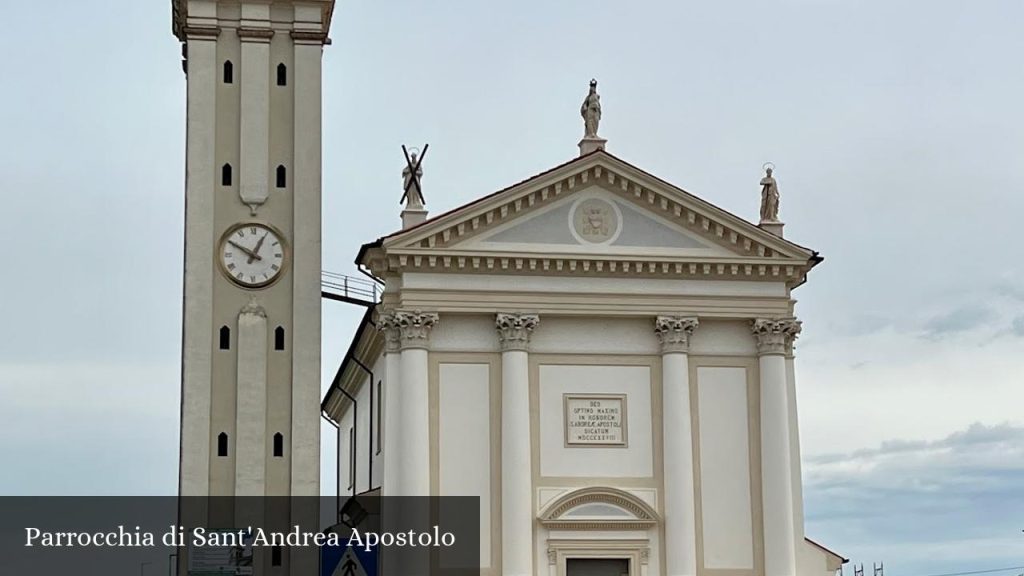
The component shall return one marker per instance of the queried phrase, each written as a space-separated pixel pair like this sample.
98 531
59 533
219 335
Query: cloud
923 506
1018 325
958 320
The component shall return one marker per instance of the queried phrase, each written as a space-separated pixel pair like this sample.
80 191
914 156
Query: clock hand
250 253
256 251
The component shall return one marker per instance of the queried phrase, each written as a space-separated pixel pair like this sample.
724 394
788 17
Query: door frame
636 551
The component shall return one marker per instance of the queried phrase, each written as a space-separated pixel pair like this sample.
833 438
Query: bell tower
250 405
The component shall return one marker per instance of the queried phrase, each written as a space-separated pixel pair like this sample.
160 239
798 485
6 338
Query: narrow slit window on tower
275 556
229 72
222 444
282 176
278 445
279 338
225 175
282 75
225 338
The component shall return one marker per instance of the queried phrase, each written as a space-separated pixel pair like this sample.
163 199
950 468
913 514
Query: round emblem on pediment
595 221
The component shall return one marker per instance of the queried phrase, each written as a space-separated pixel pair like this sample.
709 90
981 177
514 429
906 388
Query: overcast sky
895 127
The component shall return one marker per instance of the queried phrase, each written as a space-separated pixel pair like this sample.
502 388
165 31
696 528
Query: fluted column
392 424
413 408
774 337
517 512
680 510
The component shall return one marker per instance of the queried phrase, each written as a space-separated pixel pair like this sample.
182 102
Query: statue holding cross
412 195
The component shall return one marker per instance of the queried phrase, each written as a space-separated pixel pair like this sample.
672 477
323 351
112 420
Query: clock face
252 255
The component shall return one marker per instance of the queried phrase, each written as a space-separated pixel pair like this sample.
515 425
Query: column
773 337
414 402
680 510
517 510
392 422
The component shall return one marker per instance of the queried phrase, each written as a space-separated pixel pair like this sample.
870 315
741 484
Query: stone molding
775 336
674 332
310 37
404 329
201 32
255 34
644 517
514 330
253 308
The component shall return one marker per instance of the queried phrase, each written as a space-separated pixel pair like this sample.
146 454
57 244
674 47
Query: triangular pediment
594 220
602 215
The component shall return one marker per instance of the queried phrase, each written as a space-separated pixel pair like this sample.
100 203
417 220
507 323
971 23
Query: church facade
605 359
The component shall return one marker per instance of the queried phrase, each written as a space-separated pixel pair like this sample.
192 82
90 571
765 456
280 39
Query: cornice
255 34
382 262
181 28
200 32
310 37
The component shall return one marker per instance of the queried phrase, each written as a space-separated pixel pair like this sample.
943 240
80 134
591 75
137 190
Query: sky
895 128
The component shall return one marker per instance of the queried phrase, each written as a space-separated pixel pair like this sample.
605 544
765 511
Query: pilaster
413 401
517 508
674 334
251 407
388 324
774 338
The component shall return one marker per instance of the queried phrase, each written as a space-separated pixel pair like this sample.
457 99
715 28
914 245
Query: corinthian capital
407 329
674 332
514 330
388 324
775 335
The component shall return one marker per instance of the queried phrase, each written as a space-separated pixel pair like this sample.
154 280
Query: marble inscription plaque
595 420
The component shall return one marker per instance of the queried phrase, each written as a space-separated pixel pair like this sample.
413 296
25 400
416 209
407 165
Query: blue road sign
348 561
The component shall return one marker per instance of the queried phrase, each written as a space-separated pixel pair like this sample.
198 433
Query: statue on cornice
591 112
413 191
769 197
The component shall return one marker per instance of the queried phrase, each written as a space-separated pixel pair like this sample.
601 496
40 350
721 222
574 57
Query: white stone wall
635 460
724 468
465 439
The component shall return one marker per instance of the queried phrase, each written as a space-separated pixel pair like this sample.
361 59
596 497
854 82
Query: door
596 567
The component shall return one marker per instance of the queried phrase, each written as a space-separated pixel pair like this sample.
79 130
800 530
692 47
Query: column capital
674 332
514 330
406 329
775 336
388 324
